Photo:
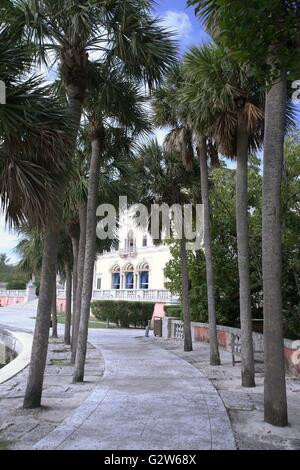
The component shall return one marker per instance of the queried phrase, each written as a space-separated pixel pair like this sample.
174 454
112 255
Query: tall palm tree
167 112
171 111
34 158
272 46
122 32
227 105
75 212
162 178
212 317
116 99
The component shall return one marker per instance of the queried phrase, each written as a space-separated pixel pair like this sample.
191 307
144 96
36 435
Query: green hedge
123 312
173 311
16 284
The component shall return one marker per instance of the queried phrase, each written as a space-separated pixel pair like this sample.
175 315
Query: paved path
148 399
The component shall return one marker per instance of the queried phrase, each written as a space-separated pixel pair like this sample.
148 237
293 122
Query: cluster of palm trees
214 103
61 142
67 145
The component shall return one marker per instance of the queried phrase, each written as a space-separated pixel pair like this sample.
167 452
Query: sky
176 17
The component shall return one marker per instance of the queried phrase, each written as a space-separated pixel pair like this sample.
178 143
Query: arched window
130 242
128 271
143 269
115 276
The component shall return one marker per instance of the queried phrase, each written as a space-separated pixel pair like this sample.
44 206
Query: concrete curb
62 432
21 343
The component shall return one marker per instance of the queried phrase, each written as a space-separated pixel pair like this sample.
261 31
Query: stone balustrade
152 295
12 293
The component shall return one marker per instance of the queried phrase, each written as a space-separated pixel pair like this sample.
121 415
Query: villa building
134 270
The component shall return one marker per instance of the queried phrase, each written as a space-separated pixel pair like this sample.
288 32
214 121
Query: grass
4 445
59 362
92 323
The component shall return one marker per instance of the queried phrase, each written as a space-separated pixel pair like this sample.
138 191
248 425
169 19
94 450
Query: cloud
9 241
178 22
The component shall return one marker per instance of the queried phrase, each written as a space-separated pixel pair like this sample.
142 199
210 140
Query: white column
30 292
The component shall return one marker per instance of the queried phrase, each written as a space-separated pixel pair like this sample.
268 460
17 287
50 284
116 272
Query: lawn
92 323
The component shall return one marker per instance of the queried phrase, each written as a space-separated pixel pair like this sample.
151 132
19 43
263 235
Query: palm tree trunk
35 379
188 344
75 248
90 253
54 314
213 337
247 357
275 404
80 267
67 335
34 387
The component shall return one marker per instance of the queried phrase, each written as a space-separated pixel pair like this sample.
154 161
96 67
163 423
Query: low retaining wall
13 297
6 300
20 343
173 328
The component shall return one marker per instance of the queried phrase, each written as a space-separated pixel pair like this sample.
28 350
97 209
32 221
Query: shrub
123 312
173 311
16 284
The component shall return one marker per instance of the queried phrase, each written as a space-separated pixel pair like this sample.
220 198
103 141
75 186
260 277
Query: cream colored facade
134 271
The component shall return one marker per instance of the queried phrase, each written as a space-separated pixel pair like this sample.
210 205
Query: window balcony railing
152 295
124 252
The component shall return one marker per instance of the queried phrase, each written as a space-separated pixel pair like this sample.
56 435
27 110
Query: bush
173 311
16 284
123 312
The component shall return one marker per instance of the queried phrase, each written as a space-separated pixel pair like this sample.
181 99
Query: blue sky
178 17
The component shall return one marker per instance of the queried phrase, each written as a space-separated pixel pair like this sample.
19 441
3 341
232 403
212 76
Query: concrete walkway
148 399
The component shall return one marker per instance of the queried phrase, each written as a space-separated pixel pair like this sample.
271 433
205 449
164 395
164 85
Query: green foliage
222 197
263 33
291 235
16 284
9 274
173 311
122 312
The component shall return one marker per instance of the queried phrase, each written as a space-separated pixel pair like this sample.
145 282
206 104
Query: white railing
13 293
154 295
124 252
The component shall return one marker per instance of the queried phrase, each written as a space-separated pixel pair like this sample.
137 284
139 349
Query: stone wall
13 297
172 328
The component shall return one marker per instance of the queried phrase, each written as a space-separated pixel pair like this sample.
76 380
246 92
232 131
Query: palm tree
162 179
270 45
122 32
227 105
34 155
212 317
171 111
167 112
75 214
116 99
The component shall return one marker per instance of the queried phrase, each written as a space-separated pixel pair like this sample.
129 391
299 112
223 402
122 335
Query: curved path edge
21 343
